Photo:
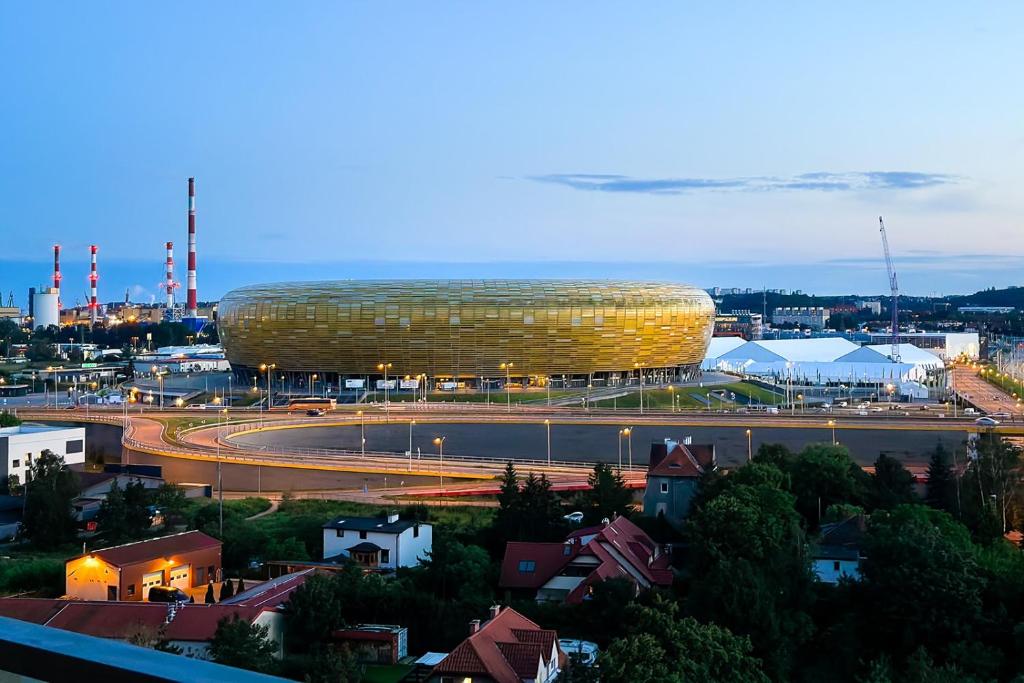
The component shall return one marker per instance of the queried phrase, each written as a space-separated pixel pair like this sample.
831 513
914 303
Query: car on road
1001 416
167 594
878 409
986 421
574 517
316 412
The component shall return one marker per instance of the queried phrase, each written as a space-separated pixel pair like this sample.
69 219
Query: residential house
567 571
375 643
127 572
380 543
190 627
837 553
673 476
507 648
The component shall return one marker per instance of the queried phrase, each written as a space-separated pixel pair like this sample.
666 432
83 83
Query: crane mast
894 289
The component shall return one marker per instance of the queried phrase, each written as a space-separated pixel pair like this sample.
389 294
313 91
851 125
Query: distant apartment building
803 316
21 445
739 324
875 307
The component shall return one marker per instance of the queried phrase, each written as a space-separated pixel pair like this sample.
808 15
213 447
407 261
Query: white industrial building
378 542
819 361
20 445
945 345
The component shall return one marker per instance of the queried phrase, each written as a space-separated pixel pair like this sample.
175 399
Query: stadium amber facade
602 330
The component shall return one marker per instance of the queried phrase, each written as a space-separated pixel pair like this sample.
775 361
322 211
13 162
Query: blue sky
752 144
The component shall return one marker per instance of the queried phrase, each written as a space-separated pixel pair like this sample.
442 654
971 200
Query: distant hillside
1011 296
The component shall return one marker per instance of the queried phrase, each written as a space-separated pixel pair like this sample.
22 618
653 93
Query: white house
837 554
378 542
20 445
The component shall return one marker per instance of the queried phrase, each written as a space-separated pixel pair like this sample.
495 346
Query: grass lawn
380 673
661 399
32 571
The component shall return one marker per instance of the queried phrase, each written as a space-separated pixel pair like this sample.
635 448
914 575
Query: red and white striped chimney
56 272
170 275
94 306
191 305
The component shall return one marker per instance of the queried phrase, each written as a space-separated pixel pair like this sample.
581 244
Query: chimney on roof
474 626
605 522
392 517
495 611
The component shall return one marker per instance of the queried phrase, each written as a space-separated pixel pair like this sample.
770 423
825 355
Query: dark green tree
170 500
508 523
317 608
661 646
8 419
823 475
607 496
891 484
941 488
209 599
241 586
330 664
241 644
227 590
124 513
49 519
540 511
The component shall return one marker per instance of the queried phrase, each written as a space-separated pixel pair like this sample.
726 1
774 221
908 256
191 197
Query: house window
16 463
76 446
664 487
340 533
385 556
131 589
362 535
527 566
200 576
416 531
835 566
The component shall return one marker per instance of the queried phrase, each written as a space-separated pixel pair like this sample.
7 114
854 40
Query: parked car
1001 416
167 594
986 421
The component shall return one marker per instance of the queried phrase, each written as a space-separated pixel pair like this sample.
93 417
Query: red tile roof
118 620
622 548
684 461
507 649
165 546
272 593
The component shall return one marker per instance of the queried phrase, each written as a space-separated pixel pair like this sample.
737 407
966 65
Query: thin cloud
818 181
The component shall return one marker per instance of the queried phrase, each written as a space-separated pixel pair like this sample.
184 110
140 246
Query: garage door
180 577
150 580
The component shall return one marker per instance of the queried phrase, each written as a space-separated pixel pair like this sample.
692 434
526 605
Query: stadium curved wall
466 328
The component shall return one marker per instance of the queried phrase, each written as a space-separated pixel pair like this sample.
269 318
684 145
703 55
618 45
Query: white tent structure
825 360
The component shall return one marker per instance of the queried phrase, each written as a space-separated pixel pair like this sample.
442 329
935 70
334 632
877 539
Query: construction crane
894 288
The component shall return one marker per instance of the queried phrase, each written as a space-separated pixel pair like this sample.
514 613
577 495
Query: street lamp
269 369
750 454
620 448
629 443
589 387
547 424
387 400
220 479
800 398
312 384
411 423
640 371
672 397
439 442
362 432
507 367
832 424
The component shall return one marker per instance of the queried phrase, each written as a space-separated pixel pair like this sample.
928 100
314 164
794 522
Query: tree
891 484
11 485
209 599
241 644
171 501
8 420
921 583
49 519
661 646
330 664
823 475
607 496
940 492
227 590
508 523
316 608
541 512
241 586
124 514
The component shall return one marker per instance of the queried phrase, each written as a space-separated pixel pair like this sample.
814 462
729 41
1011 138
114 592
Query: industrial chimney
191 305
93 303
170 275
56 273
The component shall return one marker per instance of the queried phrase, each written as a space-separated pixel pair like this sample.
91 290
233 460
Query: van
167 594
970 411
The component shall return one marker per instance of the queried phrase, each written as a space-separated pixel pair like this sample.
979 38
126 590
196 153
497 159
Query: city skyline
750 148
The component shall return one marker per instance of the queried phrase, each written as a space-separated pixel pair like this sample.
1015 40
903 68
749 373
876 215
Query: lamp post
269 369
589 386
312 384
672 398
507 367
640 371
387 396
629 442
620 448
411 423
547 383
832 424
547 424
439 442
750 449
362 432
220 479
800 397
